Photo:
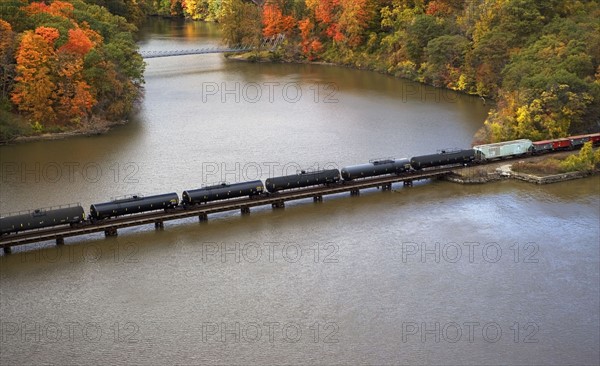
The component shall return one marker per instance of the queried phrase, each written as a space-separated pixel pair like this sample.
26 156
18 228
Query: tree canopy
539 60
64 61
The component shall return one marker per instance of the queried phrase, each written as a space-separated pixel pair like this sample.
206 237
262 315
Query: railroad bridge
277 200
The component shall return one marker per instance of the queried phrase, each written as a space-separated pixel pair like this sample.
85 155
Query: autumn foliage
62 61
274 22
56 8
50 85
538 60
79 43
64 71
34 86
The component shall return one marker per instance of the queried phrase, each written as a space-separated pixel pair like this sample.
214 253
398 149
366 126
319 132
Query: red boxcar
560 144
572 142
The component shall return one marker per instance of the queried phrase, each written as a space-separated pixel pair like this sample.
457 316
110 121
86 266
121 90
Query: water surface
434 274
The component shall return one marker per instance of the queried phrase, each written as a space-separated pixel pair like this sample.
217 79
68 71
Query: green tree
241 23
7 59
445 58
423 29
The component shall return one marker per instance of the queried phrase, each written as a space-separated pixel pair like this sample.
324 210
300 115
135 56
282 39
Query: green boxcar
503 149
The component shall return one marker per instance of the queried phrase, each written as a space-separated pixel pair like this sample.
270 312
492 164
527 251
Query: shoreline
100 127
529 178
467 175
481 177
264 57
502 170
261 58
95 126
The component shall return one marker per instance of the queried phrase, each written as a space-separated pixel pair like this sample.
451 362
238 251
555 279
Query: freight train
74 215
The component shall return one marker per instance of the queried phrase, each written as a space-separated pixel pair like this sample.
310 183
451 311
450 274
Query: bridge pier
111 231
386 187
276 200
159 225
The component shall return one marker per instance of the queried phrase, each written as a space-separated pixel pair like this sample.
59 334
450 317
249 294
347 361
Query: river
438 273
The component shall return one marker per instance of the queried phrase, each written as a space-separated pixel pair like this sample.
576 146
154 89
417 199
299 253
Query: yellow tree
354 19
34 86
584 161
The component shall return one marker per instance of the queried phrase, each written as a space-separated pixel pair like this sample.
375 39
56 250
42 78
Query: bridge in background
269 43
197 51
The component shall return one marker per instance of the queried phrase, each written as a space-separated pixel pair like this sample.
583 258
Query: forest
64 64
537 62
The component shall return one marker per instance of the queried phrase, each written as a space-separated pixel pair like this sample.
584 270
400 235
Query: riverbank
480 174
281 58
270 57
96 126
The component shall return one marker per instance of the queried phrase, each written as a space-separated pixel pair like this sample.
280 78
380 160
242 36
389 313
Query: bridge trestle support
111 231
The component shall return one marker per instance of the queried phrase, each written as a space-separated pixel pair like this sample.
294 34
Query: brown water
504 273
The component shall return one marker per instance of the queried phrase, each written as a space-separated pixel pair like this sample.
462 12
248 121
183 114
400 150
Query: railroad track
110 226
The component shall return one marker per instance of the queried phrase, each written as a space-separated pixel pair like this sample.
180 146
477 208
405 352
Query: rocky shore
496 176
502 170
